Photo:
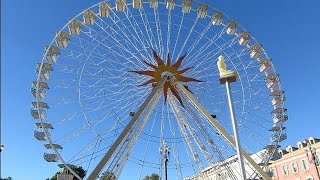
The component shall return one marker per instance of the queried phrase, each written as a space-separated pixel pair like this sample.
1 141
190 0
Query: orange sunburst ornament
160 68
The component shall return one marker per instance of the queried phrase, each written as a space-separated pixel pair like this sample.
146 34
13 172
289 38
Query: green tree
78 169
8 178
153 176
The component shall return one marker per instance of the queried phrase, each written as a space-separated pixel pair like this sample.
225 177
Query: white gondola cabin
64 166
170 4
51 157
278 100
137 4
153 4
38 113
202 11
277 128
283 137
280 118
279 110
40 105
277 93
41 135
265 65
44 125
88 17
55 146
272 80
75 27
64 176
186 6
52 53
104 9
244 38
121 5
275 156
231 27
217 18
38 93
62 39
280 138
42 85
255 51
271 146
45 72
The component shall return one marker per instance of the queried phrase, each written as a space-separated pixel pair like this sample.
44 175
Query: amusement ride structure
136 87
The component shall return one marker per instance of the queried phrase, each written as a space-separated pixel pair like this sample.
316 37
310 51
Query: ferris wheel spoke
169 33
178 35
121 47
206 46
211 54
188 37
219 48
128 39
159 32
148 27
202 34
140 35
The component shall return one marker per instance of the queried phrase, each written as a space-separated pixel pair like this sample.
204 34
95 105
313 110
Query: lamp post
1 147
227 77
166 149
313 159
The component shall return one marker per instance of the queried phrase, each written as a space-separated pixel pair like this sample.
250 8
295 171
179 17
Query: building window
317 160
294 167
273 172
285 170
304 164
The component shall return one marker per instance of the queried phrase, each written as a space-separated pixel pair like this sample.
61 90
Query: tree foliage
8 178
153 176
78 169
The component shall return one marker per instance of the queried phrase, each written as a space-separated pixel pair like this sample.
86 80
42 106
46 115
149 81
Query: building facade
220 171
298 163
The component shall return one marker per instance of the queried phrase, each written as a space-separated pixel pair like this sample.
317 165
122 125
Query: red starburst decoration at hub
160 68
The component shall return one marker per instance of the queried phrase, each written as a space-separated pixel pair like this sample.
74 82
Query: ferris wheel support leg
219 128
235 131
94 174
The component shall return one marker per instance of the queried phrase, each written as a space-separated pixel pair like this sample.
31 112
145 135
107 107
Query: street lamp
313 159
166 149
1 147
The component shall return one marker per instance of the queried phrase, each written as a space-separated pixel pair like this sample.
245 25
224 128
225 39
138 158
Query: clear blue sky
288 30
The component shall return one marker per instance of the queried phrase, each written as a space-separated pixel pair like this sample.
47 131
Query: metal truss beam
94 174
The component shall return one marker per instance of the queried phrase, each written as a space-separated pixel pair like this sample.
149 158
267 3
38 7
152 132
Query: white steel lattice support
94 174
131 139
219 128
182 126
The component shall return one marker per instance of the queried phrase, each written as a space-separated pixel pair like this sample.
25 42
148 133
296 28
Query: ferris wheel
135 89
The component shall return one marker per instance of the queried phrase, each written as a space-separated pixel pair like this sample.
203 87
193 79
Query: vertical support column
94 174
235 132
